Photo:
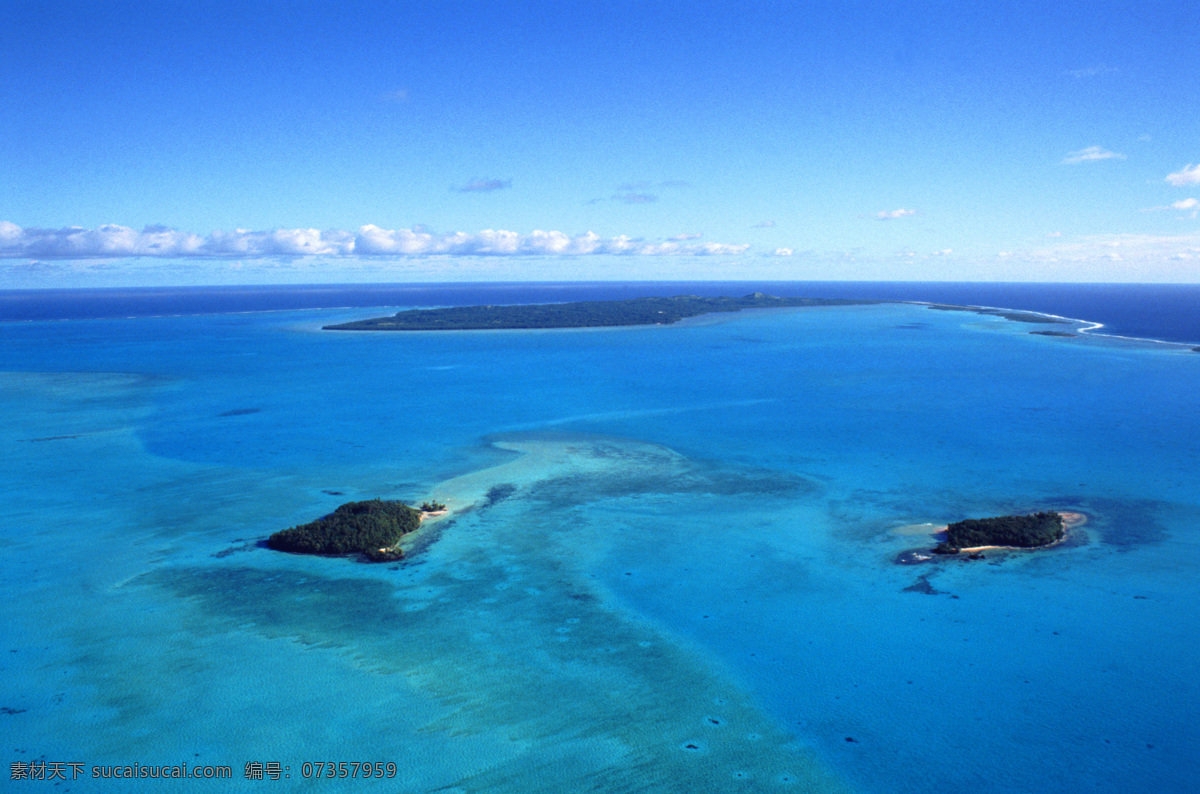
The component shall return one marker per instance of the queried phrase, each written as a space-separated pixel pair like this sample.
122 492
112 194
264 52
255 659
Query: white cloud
635 198
1091 154
1091 71
1054 234
1188 175
484 185
721 249
1188 204
887 215
943 252
643 184
637 193
783 252
1183 205
1145 251
10 233
110 241
681 237
104 241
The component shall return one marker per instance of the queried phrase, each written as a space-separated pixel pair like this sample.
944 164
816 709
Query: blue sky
175 143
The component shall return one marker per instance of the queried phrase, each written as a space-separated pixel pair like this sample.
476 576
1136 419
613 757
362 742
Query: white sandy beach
539 459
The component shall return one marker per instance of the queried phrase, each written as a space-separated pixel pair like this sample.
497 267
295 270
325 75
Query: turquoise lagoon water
672 565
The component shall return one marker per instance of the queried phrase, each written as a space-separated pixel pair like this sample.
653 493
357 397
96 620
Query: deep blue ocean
671 562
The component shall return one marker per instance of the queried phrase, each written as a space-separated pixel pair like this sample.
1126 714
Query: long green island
581 314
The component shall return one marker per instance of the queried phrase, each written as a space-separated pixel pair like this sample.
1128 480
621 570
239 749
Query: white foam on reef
1081 327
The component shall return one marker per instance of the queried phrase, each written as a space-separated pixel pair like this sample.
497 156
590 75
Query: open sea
671 563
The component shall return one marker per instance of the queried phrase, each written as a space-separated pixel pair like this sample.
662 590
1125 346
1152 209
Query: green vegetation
432 507
371 528
584 314
1027 532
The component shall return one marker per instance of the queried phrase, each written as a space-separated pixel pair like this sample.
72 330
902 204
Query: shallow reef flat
502 627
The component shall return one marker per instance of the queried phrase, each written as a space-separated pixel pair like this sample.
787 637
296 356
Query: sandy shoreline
538 459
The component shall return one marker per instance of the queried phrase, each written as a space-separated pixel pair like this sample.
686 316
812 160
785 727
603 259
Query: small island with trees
1022 532
581 314
372 528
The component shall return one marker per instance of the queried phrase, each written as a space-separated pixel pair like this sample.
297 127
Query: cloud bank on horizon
302 255
115 241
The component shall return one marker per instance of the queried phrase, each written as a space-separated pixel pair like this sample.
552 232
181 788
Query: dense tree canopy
582 314
354 528
1038 529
